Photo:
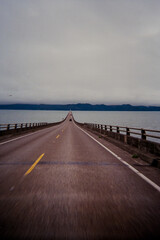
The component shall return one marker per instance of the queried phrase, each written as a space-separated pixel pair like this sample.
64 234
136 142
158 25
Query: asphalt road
58 183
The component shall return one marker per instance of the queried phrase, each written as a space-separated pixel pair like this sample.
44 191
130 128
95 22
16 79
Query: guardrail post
110 128
127 131
21 125
8 127
117 129
143 134
101 128
15 126
105 127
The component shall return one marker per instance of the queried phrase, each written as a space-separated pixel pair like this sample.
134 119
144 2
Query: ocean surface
146 120
150 120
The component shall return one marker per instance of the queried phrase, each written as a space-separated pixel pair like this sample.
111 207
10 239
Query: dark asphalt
77 190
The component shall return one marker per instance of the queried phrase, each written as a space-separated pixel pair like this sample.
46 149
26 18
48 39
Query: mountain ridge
79 107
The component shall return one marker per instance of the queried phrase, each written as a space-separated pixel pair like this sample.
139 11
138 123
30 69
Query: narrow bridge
64 182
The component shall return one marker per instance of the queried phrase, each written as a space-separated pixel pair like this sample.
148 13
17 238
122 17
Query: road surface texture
59 183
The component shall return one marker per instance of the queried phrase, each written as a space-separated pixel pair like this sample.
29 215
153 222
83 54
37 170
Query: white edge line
154 185
14 139
26 135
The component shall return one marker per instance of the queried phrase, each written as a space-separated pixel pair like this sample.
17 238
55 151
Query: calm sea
150 120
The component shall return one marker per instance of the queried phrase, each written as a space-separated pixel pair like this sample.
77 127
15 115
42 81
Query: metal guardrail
15 126
18 127
129 131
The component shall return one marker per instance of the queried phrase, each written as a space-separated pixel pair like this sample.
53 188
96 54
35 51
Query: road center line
154 185
57 136
34 164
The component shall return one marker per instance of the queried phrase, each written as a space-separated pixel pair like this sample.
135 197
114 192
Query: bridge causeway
65 181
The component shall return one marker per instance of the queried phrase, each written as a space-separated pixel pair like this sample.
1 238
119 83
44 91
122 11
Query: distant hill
79 107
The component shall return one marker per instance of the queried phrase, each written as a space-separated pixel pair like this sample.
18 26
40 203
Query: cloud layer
58 51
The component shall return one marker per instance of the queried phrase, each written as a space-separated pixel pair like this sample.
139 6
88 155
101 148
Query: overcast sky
70 51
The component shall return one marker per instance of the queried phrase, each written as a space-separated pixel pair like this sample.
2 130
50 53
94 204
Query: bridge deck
59 183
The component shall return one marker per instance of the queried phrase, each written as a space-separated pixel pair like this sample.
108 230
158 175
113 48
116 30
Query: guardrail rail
128 131
145 140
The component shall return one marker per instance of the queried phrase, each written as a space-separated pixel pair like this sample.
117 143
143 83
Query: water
147 120
31 116
150 120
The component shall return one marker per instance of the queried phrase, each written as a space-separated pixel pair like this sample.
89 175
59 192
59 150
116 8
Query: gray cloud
57 51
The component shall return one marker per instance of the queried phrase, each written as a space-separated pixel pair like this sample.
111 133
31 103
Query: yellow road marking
34 164
58 136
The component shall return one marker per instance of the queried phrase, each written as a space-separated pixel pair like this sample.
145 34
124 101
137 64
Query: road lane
17 156
154 185
77 190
